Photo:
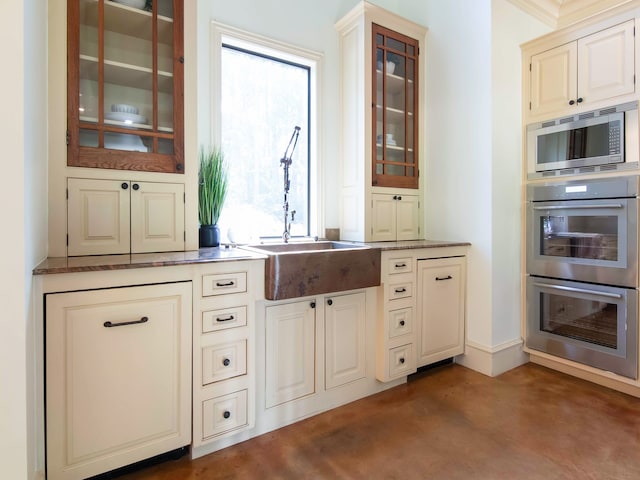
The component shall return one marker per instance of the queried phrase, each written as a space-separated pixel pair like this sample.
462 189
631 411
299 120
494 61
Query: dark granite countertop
411 244
204 255
142 260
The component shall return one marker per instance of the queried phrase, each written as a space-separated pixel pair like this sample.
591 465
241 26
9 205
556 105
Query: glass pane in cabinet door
396 44
165 146
397 170
88 64
409 138
165 66
128 142
128 66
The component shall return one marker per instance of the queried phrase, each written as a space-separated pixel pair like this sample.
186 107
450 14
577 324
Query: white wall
23 27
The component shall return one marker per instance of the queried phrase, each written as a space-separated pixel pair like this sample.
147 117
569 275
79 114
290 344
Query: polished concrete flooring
449 423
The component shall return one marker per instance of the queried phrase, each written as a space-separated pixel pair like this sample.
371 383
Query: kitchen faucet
285 161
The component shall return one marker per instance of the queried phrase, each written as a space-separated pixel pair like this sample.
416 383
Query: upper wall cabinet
395 120
583 74
125 85
382 124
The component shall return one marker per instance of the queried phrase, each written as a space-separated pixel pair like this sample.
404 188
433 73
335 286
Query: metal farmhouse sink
299 269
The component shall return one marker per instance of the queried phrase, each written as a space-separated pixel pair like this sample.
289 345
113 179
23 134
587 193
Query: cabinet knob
579 100
402 323
399 197
181 59
226 414
179 167
329 302
135 186
401 359
395 197
124 185
226 362
312 304
572 102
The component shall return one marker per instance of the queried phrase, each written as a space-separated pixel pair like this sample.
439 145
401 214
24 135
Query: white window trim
224 34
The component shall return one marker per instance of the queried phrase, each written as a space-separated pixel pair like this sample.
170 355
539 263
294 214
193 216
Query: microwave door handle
578 290
579 207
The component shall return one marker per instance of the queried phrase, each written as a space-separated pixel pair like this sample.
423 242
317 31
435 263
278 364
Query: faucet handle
293 215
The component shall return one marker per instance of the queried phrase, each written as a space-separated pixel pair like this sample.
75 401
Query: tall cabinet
117 87
381 149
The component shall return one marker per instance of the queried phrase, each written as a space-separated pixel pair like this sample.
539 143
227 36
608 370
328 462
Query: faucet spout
285 161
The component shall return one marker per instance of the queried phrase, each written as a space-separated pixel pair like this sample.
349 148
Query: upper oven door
586 240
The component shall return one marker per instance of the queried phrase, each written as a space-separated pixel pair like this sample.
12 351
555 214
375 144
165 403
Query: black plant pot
209 236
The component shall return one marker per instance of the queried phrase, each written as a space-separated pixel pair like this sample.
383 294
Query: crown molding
561 13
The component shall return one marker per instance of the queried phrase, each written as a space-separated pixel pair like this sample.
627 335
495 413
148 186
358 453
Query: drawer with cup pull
224 283
223 414
223 361
213 320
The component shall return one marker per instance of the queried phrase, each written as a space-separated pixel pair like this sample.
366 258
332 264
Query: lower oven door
595 325
586 240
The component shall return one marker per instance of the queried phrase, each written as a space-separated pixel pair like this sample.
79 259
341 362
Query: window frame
236 38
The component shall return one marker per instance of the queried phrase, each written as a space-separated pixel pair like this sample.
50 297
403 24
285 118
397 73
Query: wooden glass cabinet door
395 109
125 85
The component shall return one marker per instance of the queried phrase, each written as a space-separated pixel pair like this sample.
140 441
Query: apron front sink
295 270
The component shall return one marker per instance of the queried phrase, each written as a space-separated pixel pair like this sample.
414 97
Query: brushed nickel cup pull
448 277
122 324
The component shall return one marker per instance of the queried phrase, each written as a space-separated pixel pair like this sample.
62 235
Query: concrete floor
449 423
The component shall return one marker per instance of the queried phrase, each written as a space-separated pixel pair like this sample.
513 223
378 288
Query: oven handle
578 290
579 207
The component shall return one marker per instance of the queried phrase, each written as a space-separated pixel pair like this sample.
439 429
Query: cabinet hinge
68 137
184 235
67 194
184 198
529 67
67 239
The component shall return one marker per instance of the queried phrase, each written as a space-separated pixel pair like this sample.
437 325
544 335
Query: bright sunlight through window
263 97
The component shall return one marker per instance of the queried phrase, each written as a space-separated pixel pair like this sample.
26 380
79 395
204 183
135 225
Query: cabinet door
383 218
606 63
407 217
553 79
441 283
98 217
118 365
290 352
157 217
125 82
345 326
395 111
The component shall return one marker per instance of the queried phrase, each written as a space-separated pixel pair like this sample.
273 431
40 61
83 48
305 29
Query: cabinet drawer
223 414
399 265
213 320
400 322
401 361
400 290
224 361
224 283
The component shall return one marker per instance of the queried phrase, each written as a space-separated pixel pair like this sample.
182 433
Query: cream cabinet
441 309
118 363
293 350
382 114
224 351
395 217
115 217
290 351
395 326
582 74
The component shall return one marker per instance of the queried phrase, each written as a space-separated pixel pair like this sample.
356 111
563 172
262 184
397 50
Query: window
266 91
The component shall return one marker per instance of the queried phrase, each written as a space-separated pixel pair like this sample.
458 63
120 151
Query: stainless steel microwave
589 142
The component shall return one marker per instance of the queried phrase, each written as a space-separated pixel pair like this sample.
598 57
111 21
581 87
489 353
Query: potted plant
213 180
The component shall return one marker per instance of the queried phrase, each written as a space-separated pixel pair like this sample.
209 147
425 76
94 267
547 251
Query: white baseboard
493 361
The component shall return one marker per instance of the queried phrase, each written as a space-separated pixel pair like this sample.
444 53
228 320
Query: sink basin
311 268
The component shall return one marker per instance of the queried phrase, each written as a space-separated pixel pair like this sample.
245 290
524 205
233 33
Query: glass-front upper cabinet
395 109
125 84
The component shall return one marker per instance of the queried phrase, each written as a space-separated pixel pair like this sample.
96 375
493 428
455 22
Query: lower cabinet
118 363
293 349
395 217
441 308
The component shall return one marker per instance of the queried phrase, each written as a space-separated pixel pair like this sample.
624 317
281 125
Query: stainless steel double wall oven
582 266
